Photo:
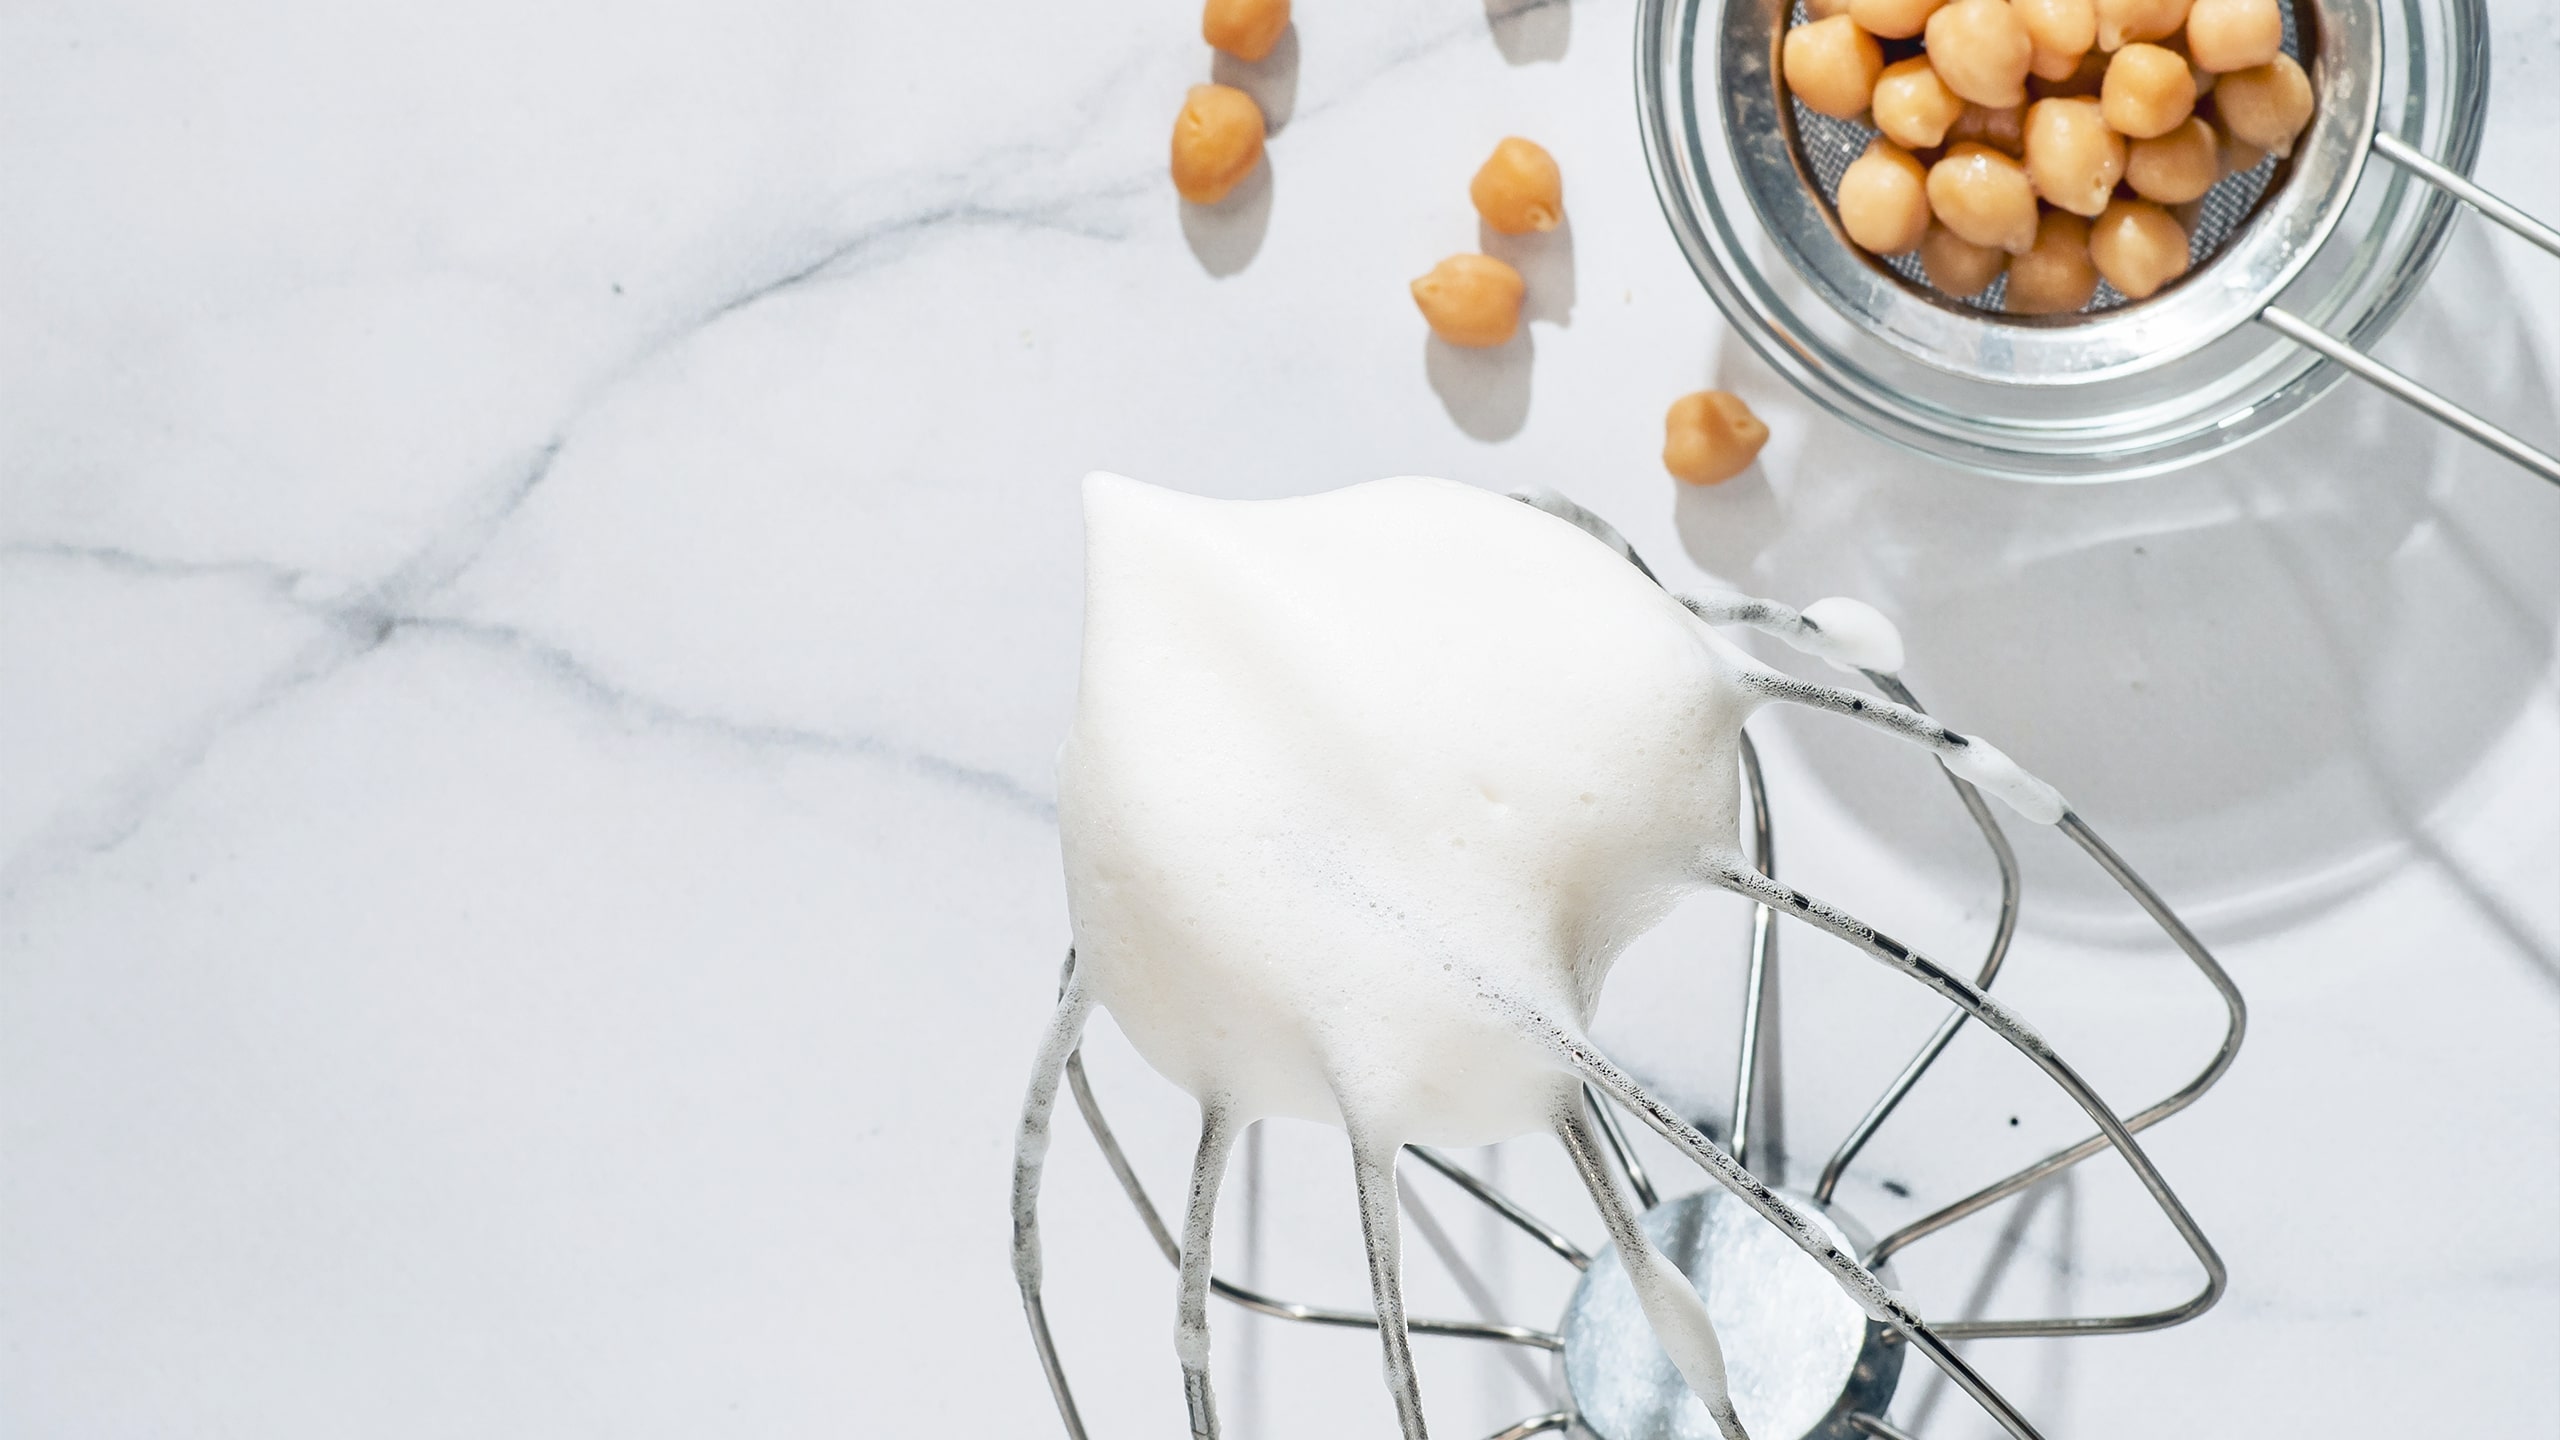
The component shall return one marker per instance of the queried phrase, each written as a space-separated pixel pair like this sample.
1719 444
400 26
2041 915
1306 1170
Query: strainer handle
2302 332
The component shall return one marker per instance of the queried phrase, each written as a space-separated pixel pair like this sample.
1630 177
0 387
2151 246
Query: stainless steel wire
1535 1425
1764 955
1503 1205
1621 1151
2003 931
1255 1300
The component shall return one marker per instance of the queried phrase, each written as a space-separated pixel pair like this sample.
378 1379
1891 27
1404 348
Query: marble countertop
539 585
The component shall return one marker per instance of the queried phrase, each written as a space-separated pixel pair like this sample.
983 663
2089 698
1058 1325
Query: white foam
1981 764
1355 778
1853 635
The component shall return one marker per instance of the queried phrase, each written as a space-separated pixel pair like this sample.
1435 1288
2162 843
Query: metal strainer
2320 251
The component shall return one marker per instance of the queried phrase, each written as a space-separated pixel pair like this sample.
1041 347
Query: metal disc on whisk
1800 1355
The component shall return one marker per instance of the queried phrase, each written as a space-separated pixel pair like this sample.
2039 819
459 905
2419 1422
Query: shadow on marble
1272 81
1528 31
1545 261
1226 236
1485 391
2061 1263
2329 630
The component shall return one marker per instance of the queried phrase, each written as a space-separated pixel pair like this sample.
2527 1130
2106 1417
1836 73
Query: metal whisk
1836 1357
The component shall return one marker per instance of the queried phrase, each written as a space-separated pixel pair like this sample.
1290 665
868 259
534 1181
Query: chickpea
2177 167
2177 45
2139 247
2073 158
1519 189
1982 51
1217 140
1912 106
2054 278
2226 35
1957 265
2062 32
1884 199
1892 19
1825 9
2086 78
1471 300
1831 65
1710 437
2004 130
1985 197
2148 92
2238 156
2122 22
2266 105
1246 29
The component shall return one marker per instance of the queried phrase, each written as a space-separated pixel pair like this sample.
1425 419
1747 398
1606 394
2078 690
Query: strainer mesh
1828 145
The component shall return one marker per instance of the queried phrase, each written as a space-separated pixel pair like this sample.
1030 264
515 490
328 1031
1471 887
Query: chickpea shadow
1529 31
1272 81
1545 261
1738 517
1485 391
2259 676
1226 236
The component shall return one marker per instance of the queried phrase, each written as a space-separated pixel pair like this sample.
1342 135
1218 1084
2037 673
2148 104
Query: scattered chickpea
2139 247
1217 140
2003 129
2177 167
1471 300
2055 277
1892 19
2149 91
1985 197
2227 35
2122 22
1912 106
1982 51
1710 437
1519 190
1825 9
2073 158
1831 65
2063 32
1246 29
1957 265
2266 105
1884 199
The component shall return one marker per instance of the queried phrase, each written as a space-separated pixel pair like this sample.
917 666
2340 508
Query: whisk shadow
2261 674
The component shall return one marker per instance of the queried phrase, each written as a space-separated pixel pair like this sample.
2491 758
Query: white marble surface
538 581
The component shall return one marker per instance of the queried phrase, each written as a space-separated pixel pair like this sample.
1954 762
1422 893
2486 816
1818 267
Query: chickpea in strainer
2265 106
2149 91
1912 106
1884 199
2055 276
1985 197
2138 246
2073 158
2175 168
1982 50
1831 65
